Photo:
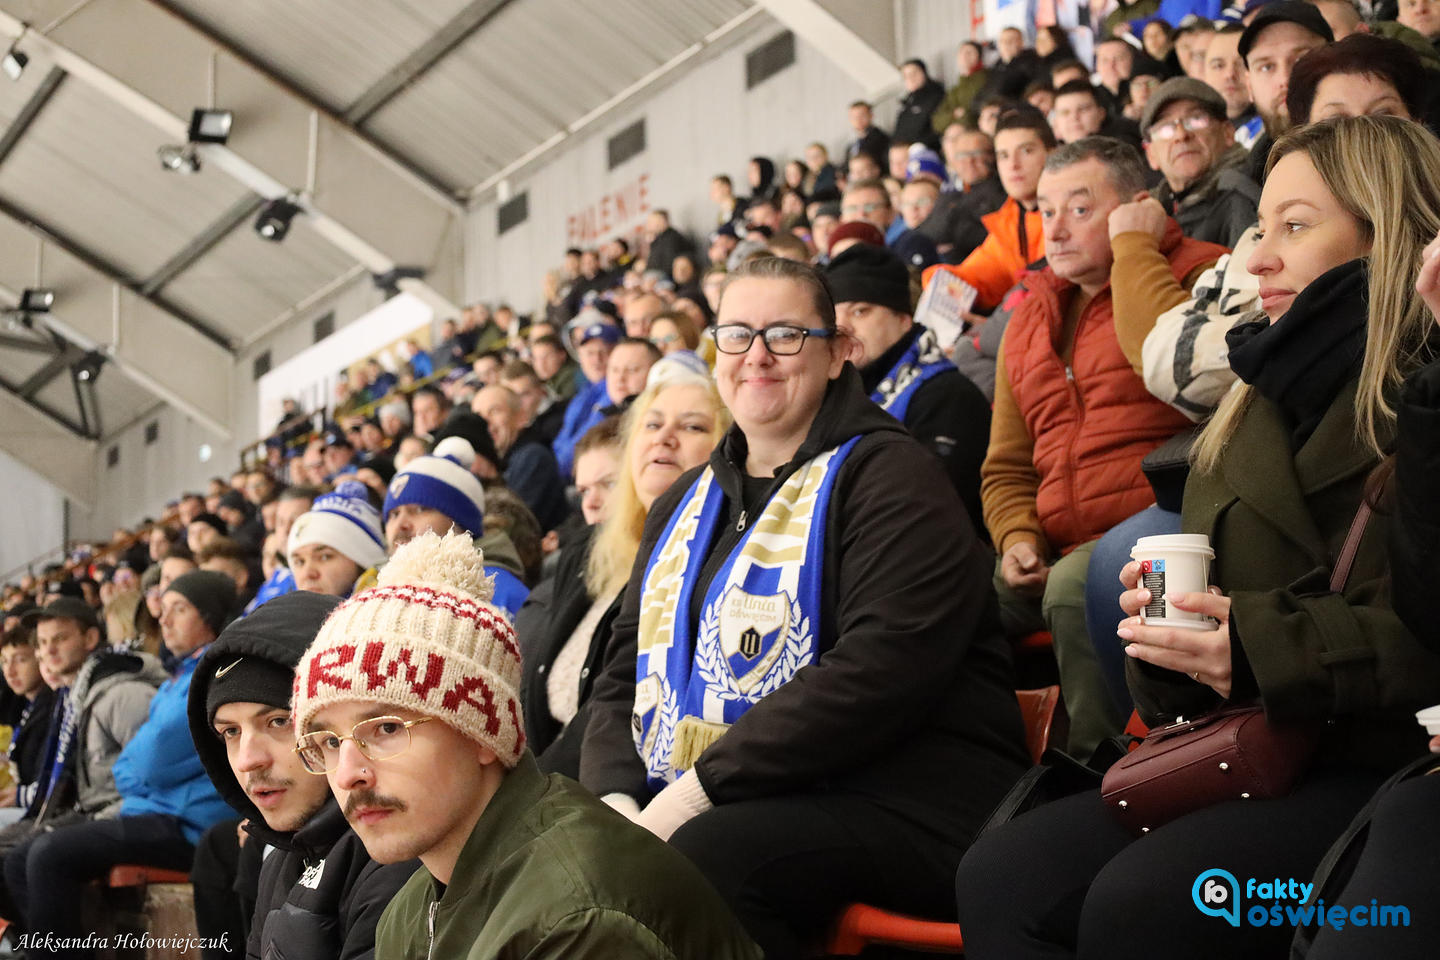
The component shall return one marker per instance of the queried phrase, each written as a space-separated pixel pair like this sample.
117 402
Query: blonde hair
1384 172
612 552
120 626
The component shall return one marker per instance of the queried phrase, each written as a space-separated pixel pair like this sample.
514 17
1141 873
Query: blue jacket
510 591
586 410
159 770
281 582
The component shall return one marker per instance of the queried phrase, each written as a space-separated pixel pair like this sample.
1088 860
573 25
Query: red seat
139 875
861 925
1039 640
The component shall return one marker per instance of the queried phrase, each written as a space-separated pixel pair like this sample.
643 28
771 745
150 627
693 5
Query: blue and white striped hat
442 481
343 520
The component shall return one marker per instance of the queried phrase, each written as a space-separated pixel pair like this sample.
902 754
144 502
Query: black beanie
248 680
473 428
213 521
869 274
212 593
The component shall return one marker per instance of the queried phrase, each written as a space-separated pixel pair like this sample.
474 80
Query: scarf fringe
693 736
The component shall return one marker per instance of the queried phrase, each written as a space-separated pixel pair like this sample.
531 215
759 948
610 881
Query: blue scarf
758 621
923 360
63 721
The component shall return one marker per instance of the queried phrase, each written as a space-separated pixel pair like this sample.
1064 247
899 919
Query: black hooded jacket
910 702
320 895
912 123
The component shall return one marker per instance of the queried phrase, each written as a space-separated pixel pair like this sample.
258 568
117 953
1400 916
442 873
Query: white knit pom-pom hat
426 638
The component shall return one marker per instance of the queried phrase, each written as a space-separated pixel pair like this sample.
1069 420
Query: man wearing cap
319 894
438 492
430 762
338 455
1278 35
597 340
904 369
1190 141
337 540
166 800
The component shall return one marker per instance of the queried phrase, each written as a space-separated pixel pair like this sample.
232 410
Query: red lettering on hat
324 662
519 727
370 664
460 693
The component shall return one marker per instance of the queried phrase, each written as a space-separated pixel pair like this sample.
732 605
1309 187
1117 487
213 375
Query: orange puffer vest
1093 421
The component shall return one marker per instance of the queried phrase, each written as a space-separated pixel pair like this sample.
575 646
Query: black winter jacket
950 417
320 895
1415 520
911 700
912 123
543 625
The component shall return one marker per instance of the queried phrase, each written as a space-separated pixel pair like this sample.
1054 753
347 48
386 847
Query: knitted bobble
457 449
451 563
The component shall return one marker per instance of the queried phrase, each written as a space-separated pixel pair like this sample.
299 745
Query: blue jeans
1102 593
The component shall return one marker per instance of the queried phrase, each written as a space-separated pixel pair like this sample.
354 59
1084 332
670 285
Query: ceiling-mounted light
274 219
210 126
14 63
178 159
87 369
36 300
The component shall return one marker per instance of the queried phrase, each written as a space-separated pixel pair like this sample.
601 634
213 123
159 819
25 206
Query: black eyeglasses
782 340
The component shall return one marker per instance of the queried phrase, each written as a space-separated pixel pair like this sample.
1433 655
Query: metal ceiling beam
240 212
101 265
30 111
444 191
460 28
41 378
848 48
14 391
12 342
50 444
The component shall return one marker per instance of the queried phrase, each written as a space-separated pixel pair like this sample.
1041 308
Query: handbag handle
1341 573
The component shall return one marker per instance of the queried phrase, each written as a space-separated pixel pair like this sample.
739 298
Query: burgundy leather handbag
1232 753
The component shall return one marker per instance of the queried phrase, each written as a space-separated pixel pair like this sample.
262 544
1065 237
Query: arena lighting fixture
274 220
14 63
88 368
210 126
179 159
36 300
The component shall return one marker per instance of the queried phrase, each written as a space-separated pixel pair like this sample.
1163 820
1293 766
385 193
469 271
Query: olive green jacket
550 872
959 97
1138 10
1277 521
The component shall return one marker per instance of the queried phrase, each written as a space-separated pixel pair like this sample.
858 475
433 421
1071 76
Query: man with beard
319 894
1280 34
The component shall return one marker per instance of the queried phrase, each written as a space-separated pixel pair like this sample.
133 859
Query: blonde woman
1279 472
670 428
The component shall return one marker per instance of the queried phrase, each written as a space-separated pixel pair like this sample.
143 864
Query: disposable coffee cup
1430 720
1174 563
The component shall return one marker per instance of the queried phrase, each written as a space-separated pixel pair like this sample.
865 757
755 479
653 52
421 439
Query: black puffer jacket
911 700
1415 521
320 895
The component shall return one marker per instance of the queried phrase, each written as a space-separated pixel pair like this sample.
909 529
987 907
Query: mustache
262 782
369 798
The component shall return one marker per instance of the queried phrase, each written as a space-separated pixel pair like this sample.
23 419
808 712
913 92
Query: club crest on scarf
923 360
755 628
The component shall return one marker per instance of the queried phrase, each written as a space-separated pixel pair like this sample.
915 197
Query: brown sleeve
1143 286
1008 480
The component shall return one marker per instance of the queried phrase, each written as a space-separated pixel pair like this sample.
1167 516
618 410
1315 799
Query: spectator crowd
672 617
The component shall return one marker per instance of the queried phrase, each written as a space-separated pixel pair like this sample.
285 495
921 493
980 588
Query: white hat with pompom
426 638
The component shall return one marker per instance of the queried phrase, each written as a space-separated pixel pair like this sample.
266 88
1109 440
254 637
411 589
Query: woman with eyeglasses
807 689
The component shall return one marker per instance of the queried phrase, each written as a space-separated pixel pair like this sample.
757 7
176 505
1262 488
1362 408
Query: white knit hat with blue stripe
345 521
442 481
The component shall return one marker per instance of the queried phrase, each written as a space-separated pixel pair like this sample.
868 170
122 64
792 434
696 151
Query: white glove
673 807
622 802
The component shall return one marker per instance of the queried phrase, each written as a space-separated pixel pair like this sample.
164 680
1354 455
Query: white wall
32 520
703 123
